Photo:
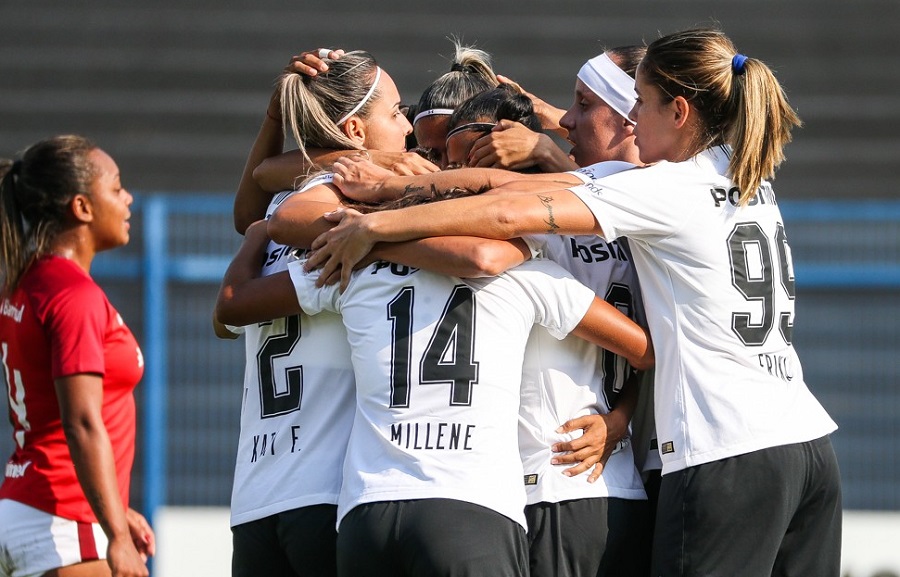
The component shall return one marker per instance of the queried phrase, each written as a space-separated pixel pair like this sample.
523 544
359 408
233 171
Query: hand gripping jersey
59 323
569 378
297 408
718 287
438 364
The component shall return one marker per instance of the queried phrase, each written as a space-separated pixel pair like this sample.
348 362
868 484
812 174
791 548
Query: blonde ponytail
760 129
312 106
738 99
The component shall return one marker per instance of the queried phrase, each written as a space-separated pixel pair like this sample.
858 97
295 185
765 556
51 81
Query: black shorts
773 512
430 538
598 537
653 478
296 543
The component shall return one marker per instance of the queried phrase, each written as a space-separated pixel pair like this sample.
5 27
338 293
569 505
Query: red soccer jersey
58 323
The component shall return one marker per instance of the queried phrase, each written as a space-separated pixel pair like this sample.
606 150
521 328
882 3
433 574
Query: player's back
438 365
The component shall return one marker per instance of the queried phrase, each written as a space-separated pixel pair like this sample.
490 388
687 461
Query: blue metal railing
156 267
845 274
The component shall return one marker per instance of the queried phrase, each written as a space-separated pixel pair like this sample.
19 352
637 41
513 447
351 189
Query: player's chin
575 154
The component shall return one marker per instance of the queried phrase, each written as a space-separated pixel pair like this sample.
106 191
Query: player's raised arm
489 216
239 301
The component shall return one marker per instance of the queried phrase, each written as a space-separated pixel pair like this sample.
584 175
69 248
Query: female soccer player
298 402
70 366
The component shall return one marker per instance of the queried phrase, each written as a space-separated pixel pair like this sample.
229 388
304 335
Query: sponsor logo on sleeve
16 470
8 309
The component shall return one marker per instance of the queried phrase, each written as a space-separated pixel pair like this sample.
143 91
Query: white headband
610 83
364 98
432 112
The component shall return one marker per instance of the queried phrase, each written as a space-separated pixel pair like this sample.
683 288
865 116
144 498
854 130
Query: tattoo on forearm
412 189
547 201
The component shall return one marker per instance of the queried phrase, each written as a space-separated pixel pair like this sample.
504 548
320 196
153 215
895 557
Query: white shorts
33 542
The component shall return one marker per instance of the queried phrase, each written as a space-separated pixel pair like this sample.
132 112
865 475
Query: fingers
483 152
595 474
574 456
311 63
343 165
314 260
331 279
334 216
401 169
141 534
411 164
345 277
331 267
329 53
307 64
574 424
581 467
511 82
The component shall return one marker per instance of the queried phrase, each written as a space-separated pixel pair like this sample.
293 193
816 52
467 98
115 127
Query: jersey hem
515 514
274 509
735 451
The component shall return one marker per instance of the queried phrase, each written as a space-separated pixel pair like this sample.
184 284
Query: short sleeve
642 204
560 301
234 329
587 174
313 299
76 320
537 245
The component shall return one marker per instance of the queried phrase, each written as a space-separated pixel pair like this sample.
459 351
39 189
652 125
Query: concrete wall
197 541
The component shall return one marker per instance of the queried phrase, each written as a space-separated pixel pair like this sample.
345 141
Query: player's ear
682 111
355 129
81 208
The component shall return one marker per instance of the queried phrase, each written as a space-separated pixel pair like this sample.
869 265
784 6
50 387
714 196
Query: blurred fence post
156 361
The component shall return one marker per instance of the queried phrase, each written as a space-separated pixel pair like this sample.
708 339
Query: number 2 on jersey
279 394
447 358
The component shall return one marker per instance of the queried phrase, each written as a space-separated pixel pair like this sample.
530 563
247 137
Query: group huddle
470 352
403 289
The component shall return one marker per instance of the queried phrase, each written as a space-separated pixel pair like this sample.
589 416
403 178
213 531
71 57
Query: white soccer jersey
718 289
297 408
438 364
592 172
571 378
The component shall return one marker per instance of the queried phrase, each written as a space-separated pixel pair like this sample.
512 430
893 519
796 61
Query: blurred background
175 92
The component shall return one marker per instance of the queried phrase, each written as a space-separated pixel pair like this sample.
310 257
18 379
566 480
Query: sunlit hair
502 103
470 73
408 200
626 57
35 193
747 110
311 106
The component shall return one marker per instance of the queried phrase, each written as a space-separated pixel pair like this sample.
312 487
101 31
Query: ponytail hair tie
737 64
457 67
